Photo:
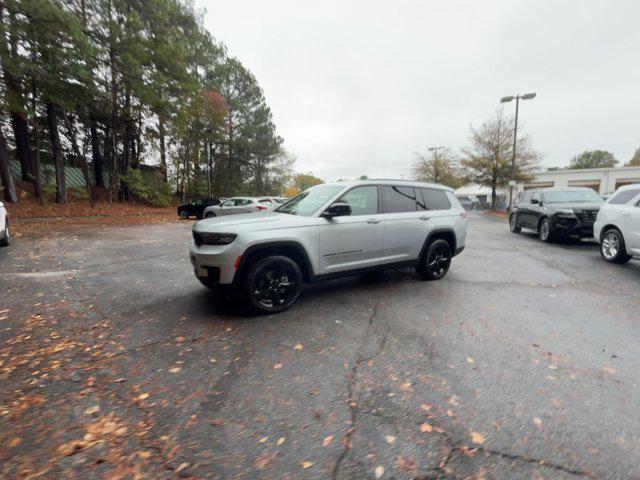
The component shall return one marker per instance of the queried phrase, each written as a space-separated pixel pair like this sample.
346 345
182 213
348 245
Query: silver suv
327 231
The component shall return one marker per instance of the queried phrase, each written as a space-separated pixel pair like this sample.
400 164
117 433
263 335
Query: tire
273 284
436 260
613 248
545 232
209 215
183 214
513 223
4 241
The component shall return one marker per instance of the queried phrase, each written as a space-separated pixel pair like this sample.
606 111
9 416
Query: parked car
328 231
617 227
469 202
4 226
241 205
556 213
196 207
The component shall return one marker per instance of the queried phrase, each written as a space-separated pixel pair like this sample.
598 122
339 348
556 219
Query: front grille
587 216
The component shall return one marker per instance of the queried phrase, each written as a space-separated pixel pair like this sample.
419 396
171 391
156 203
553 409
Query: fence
73 175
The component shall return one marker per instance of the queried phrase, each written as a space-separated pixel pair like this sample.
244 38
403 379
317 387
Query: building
603 180
480 194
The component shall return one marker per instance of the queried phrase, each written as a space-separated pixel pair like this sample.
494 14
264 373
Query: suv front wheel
436 261
273 284
612 247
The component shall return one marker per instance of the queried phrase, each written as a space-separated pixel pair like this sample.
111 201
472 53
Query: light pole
436 170
526 96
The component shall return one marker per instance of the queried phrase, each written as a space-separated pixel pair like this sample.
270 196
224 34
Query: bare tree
488 158
437 167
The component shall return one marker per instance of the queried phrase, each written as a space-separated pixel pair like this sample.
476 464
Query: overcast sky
357 86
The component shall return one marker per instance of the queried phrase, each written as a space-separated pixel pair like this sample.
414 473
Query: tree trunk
96 155
21 134
163 149
493 196
37 173
79 156
56 148
10 194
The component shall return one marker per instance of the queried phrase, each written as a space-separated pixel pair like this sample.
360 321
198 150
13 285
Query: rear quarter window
435 199
624 197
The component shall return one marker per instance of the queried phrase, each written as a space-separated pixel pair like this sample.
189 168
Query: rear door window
435 199
397 199
624 197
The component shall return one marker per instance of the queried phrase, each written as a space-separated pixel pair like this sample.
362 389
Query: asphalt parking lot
522 363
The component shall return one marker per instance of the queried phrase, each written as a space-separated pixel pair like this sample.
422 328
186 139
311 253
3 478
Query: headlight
566 212
205 238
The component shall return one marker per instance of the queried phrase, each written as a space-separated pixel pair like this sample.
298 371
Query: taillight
261 207
464 215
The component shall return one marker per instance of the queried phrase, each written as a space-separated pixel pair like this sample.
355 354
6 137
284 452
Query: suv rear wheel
183 214
513 223
612 247
273 284
436 261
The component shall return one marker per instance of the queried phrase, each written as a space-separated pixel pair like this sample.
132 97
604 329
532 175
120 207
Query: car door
535 209
227 207
522 208
354 241
629 222
404 225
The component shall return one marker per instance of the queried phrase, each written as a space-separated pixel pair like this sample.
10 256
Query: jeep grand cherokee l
327 231
556 212
617 227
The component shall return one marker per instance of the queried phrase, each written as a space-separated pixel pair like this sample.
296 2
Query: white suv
327 231
4 226
617 226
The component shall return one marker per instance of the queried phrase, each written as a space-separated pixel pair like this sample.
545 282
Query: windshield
309 201
572 196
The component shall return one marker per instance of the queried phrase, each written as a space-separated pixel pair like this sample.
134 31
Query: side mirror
338 209
535 201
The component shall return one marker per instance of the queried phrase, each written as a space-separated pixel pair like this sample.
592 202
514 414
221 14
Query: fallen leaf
298 346
142 396
306 464
496 425
263 461
477 438
14 442
94 409
212 360
327 441
426 427
608 369
263 439
379 471
144 454
406 464
175 369
390 439
406 386
454 400
425 407
553 367
280 441
470 360
216 422
277 366
182 466
537 421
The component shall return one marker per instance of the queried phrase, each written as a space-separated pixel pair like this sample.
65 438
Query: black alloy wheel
183 214
210 215
513 223
4 241
436 261
273 284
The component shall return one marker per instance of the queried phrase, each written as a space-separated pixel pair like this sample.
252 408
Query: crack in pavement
353 405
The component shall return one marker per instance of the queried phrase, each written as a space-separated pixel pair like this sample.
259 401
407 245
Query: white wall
604 179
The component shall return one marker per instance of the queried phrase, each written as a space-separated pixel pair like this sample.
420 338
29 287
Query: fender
437 231
275 247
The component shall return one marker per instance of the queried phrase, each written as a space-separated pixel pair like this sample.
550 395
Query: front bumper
572 227
216 262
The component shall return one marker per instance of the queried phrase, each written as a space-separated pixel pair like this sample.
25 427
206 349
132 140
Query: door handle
424 217
373 221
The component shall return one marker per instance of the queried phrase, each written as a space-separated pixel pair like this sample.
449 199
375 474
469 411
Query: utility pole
512 180
436 166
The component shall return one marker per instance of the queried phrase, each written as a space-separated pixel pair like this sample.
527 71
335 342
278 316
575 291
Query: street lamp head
528 96
506 99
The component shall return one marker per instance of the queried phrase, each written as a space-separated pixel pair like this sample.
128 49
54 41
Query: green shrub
146 189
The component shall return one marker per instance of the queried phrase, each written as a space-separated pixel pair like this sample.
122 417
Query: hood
575 205
253 221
